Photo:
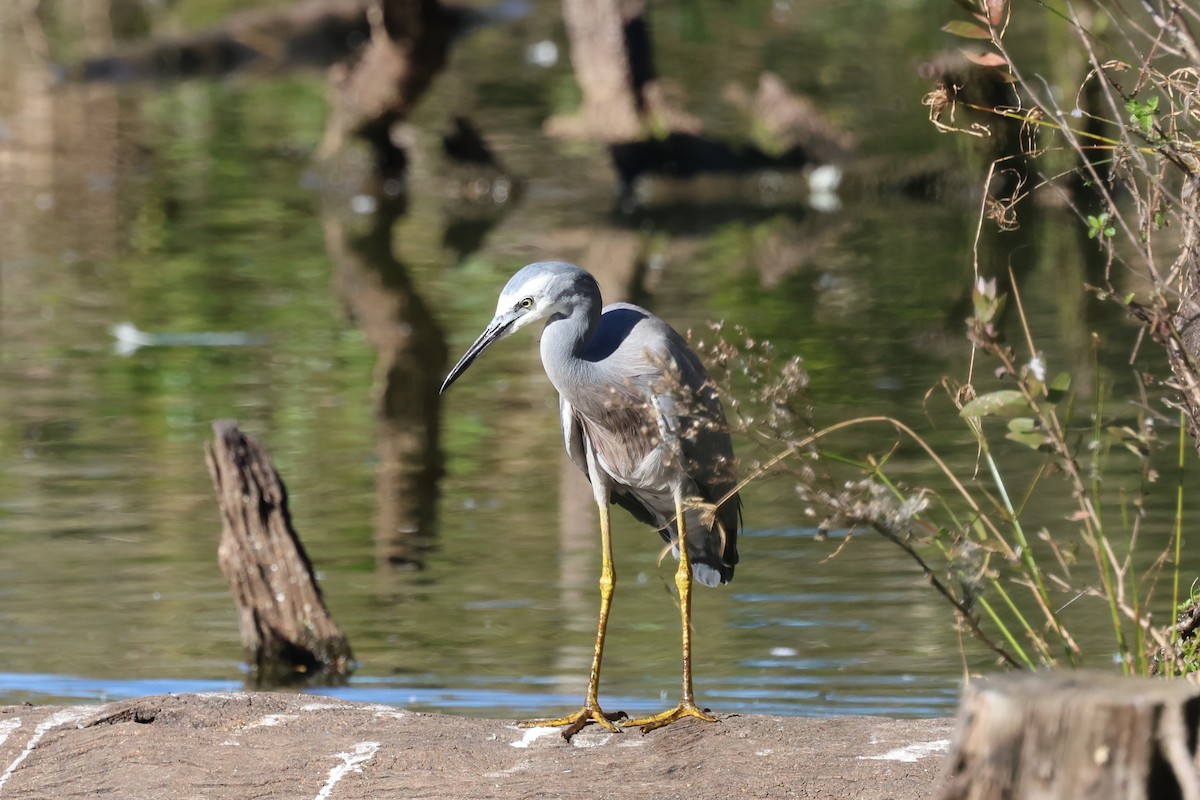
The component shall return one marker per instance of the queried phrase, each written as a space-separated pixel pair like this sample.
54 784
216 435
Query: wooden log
288 633
1075 734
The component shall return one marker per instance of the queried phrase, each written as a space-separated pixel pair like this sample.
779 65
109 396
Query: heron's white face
534 293
528 301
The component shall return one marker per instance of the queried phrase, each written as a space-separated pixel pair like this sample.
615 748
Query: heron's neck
564 341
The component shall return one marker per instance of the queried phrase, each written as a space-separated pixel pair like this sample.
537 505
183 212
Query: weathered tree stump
1075 734
287 632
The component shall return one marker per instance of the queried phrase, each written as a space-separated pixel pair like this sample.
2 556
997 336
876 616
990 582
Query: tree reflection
411 350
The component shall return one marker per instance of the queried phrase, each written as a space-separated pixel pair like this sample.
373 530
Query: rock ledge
268 745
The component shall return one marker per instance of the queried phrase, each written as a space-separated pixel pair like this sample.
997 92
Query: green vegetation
1015 587
1139 169
1012 587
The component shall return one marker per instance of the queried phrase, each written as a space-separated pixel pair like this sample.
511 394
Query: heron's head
536 292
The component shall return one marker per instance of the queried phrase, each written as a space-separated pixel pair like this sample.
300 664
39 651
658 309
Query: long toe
680 711
574 723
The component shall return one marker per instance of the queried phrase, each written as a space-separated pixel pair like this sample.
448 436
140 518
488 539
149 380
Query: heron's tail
712 535
712 547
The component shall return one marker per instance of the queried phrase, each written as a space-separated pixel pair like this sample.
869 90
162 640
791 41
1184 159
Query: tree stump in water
287 632
1075 734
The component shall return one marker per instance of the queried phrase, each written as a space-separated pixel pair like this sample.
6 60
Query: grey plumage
642 421
633 391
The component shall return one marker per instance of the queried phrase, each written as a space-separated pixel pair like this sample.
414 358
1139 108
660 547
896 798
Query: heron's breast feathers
628 446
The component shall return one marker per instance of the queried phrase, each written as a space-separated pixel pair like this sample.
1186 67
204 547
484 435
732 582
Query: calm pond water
193 208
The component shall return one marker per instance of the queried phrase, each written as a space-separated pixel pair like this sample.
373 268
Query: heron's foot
685 709
574 723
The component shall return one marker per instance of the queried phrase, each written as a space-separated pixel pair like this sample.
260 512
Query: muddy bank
249 745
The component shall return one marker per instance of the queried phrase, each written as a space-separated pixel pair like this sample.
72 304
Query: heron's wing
690 411
572 435
575 438
694 412
652 373
645 377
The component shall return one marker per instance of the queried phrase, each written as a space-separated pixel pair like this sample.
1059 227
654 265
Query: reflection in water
61 147
411 356
785 246
313 33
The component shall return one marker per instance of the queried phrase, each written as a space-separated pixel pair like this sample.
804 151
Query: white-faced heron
642 421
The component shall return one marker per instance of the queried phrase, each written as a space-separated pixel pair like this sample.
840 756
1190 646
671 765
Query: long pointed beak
496 330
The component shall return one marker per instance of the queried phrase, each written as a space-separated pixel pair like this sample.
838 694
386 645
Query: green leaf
1058 387
967 30
1142 114
1131 440
1024 430
1004 403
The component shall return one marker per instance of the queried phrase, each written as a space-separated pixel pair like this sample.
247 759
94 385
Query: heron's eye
526 303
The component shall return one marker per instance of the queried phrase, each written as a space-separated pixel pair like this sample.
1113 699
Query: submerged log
308 33
1075 734
288 634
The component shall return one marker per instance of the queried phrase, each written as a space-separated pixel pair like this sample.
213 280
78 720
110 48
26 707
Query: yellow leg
683 582
591 711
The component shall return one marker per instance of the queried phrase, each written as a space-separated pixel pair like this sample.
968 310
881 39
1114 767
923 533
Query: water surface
194 208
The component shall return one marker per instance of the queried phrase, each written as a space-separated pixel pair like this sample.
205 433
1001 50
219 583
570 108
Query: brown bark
287 632
1075 734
